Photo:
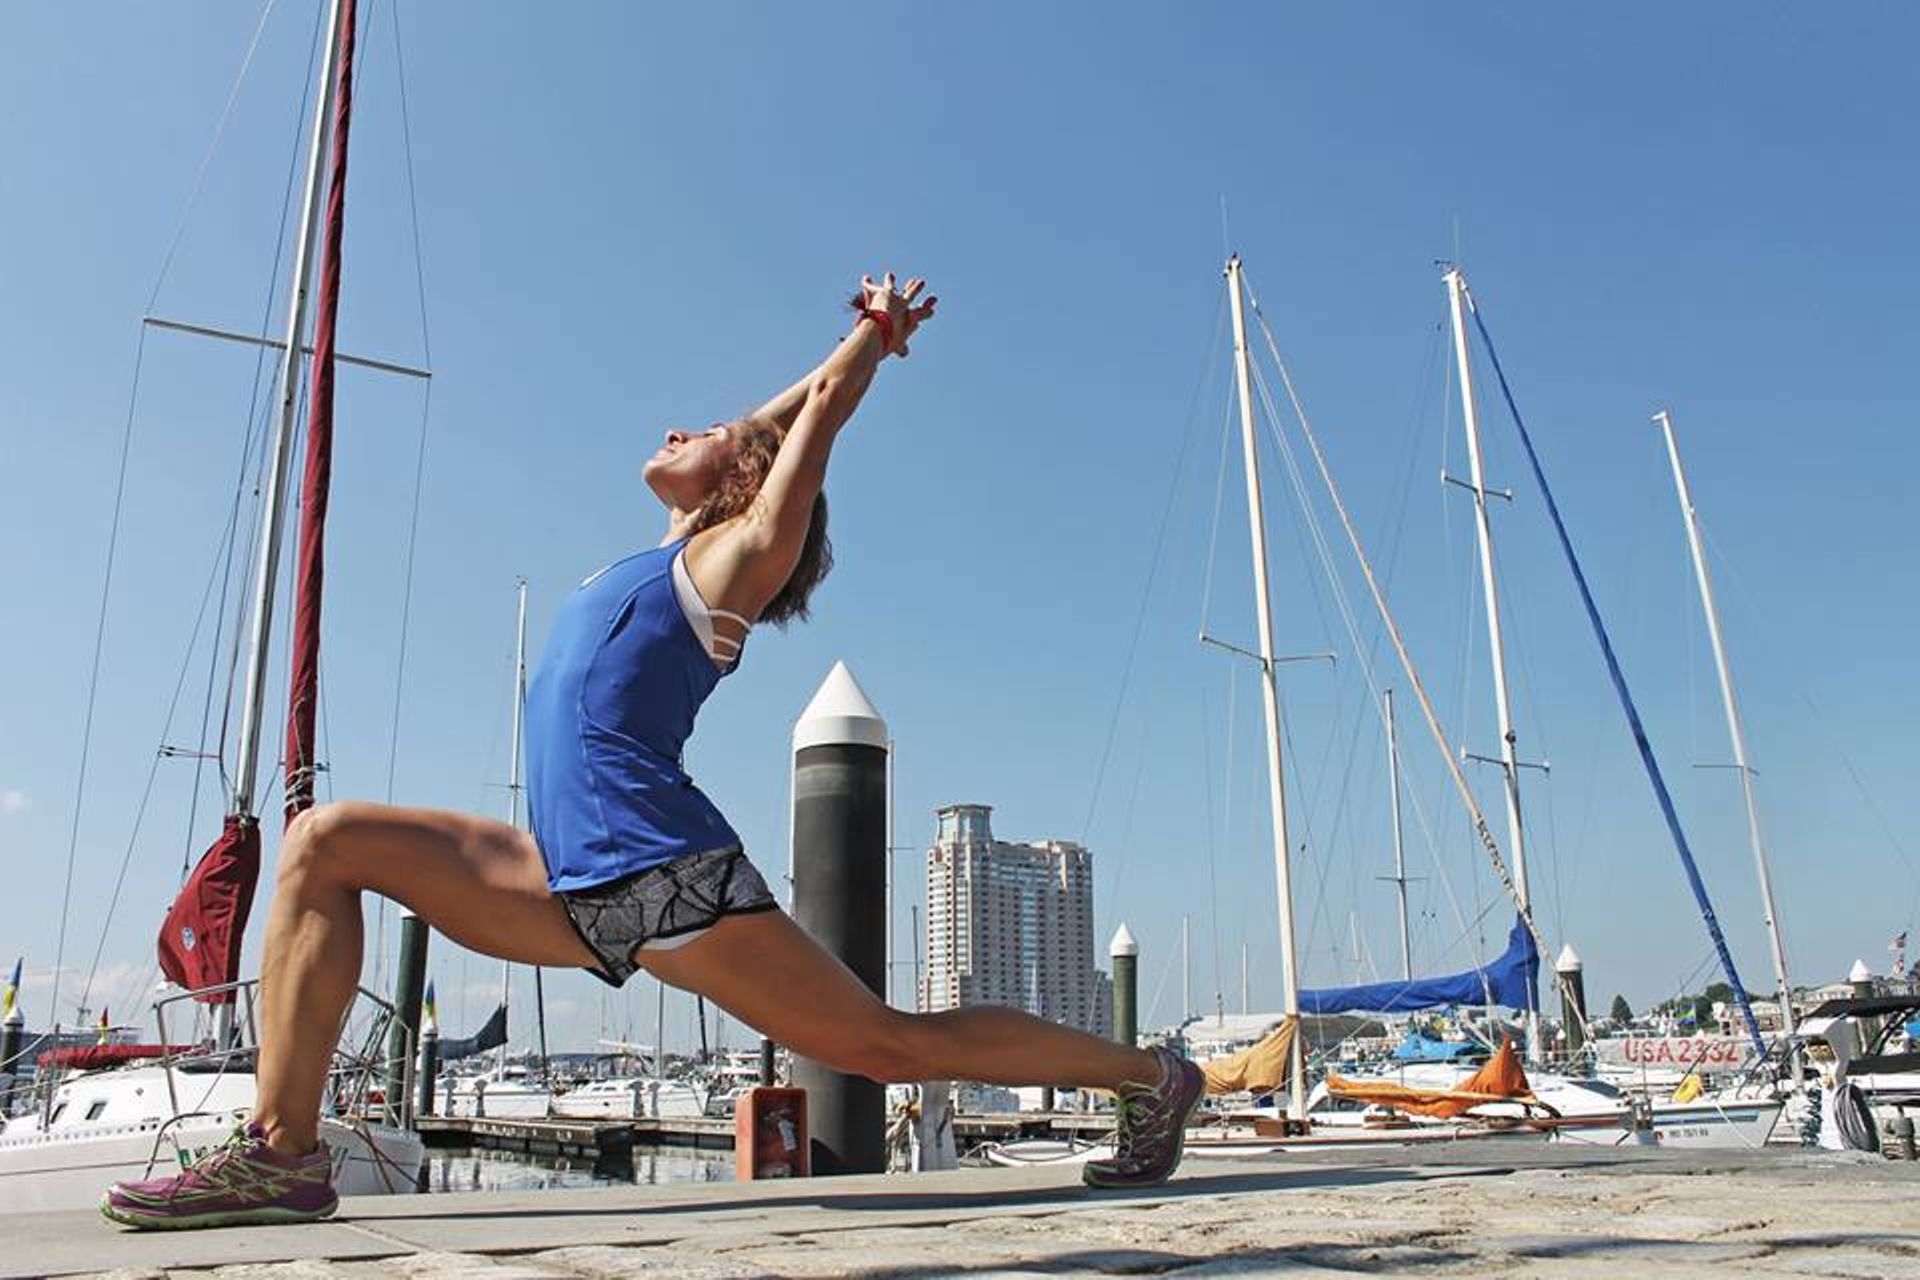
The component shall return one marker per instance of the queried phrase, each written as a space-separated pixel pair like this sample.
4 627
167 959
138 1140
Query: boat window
95 1111
57 1113
1602 1088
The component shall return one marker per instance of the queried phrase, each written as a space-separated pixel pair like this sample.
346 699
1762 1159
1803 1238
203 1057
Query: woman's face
689 466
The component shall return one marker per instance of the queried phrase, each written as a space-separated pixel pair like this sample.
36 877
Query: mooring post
1125 954
409 987
1573 998
839 896
12 1033
429 1067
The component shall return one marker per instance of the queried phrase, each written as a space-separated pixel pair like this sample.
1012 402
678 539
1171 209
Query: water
453 1169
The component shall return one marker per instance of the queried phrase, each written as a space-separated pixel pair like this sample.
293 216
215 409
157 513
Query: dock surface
1465 1210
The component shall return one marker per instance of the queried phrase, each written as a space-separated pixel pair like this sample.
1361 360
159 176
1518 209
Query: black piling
839 896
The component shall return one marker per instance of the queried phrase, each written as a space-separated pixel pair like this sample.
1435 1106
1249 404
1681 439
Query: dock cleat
241 1182
1152 1131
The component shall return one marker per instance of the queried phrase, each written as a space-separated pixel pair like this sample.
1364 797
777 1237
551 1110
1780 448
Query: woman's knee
894 1048
320 841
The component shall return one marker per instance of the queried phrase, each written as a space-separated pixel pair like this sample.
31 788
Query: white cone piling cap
1569 961
1859 972
1123 943
840 715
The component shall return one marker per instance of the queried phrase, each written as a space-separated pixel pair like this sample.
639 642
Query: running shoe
1152 1131
243 1181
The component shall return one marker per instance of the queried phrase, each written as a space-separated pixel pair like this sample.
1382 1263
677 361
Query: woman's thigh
768 972
480 882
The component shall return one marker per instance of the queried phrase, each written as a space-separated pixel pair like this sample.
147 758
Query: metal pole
1269 690
888 997
1186 970
1734 729
514 787
1483 530
921 1000
1399 852
839 846
273 508
1244 1006
1125 954
409 983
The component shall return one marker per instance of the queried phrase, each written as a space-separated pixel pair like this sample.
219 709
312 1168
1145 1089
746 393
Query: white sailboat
130 1112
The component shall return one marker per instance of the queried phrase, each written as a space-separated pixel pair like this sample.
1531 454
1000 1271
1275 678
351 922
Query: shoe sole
266 1215
1119 1183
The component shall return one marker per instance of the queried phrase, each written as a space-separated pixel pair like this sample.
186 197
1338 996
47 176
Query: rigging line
1219 493
413 203
1146 596
1647 759
426 412
259 405
1753 602
1481 830
1213 878
256 424
93 679
219 129
153 771
1347 617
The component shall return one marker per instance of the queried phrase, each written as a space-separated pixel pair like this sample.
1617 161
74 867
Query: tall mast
1269 690
513 770
1483 528
272 521
1734 730
1399 851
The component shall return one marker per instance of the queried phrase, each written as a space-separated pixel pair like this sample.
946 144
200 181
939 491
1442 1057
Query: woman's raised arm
744 564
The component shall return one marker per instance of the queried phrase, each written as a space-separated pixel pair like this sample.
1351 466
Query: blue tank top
608 712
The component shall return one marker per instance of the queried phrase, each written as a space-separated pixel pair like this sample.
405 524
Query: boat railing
358 1059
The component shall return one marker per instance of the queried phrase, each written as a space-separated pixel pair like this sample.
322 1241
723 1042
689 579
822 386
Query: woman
629 866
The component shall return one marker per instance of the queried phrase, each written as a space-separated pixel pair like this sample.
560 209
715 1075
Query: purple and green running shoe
1152 1129
241 1182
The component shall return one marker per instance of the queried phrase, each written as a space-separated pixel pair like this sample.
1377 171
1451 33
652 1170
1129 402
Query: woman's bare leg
766 971
479 882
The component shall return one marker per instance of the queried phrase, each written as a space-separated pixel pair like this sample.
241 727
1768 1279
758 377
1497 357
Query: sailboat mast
272 521
1269 688
1734 729
513 775
1399 850
1496 645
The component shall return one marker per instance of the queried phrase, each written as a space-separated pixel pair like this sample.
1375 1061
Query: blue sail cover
1508 981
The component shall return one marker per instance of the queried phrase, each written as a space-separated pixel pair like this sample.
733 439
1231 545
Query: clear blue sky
637 216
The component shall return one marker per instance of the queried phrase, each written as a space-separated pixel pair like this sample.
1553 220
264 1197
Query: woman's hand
901 307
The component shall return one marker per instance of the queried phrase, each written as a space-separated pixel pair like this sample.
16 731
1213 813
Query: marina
380 938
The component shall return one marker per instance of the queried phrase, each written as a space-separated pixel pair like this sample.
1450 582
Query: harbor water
461 1169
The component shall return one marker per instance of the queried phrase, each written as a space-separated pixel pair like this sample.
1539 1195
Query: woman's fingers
914 286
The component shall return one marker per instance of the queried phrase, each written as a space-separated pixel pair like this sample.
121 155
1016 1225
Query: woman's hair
756 442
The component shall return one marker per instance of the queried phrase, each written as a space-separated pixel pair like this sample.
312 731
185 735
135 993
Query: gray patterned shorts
663 907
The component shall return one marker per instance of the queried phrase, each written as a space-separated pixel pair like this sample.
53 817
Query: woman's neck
679 524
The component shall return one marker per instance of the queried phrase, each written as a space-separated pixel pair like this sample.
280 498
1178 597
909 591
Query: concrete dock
1466 1210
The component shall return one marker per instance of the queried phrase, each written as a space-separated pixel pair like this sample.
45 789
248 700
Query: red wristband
884 323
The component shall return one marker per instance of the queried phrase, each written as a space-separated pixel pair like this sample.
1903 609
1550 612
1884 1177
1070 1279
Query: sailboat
1743 1116
133 1110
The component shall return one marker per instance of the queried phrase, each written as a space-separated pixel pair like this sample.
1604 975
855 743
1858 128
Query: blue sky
639 216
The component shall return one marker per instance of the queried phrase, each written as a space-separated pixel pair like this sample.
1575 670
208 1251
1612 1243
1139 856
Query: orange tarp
1500 1080
1258 1068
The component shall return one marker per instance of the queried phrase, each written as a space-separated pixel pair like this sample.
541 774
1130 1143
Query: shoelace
1139 1109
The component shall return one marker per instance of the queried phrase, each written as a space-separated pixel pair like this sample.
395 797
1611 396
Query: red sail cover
304 692
200 941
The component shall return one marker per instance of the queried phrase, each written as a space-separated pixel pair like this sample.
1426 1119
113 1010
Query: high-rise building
1011 924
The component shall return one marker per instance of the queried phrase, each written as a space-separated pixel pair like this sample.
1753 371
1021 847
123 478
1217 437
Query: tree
1620 1013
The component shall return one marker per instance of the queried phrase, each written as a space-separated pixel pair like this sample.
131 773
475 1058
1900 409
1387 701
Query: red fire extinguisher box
770 1134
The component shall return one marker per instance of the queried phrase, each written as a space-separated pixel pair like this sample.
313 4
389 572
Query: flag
10 998
429 1015
105 1028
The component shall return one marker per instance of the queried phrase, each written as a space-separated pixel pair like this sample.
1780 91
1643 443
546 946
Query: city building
1011 924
